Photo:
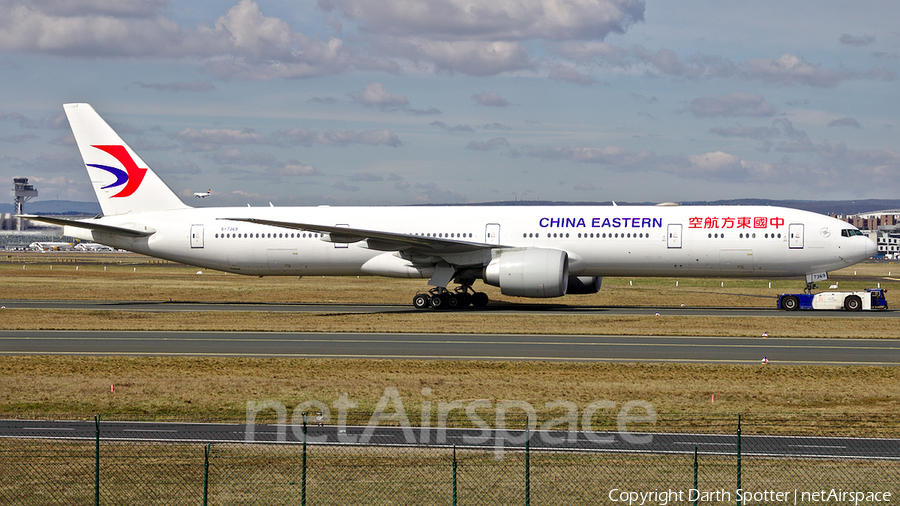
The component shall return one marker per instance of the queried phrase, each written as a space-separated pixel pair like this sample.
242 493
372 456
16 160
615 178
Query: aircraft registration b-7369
531 251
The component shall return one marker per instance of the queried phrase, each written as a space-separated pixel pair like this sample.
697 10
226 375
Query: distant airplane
537 251
91 246
202 195
44 246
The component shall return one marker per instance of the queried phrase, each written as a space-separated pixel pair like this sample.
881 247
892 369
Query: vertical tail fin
122 181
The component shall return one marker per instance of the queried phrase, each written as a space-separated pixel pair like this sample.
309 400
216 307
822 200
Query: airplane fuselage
695 241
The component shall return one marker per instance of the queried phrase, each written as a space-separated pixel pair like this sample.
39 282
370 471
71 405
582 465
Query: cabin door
196 236
492 233
795 233
674 236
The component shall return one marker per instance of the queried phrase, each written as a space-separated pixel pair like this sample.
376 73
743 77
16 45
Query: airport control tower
23 192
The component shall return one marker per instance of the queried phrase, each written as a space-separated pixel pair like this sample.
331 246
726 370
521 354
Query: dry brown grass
430 321
32 470
219 388
133 277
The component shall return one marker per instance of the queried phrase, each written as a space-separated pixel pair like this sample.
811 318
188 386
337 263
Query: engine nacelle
533 272
581 285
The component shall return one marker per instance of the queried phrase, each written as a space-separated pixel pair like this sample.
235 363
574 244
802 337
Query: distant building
888 220
23 192
883 227
7 222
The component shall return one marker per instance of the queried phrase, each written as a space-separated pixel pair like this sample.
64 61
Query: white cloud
455 128
791 69
845 121
16 139
340 185
376 95
715 162
242 43
431 192
294 168
19 119
306 137
735 104
236 155
495 20
611 155
178 86
586 51
569 74
367 177
371 137
489 98
208 139
853 40
756 133
489 145
482 38
471 57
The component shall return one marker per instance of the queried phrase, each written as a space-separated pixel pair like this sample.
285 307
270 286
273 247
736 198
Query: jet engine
531 272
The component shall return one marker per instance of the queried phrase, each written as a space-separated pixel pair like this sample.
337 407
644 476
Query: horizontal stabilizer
109 229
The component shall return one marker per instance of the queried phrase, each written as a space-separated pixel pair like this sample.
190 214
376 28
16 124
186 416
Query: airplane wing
382 241
110 229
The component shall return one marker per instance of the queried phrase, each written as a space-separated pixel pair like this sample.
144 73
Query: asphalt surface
494 308
503 440
450 346
455 346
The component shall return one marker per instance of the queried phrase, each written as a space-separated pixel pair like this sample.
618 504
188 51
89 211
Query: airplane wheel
790 303
421 301
480 299
853 303
439 301
454 302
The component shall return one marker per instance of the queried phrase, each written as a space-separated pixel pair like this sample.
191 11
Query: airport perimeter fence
692 460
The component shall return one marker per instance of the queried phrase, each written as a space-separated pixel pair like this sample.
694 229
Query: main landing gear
441 298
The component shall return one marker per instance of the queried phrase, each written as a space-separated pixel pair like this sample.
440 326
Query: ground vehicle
870 298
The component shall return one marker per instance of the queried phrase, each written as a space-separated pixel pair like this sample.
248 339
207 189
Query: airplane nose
871 248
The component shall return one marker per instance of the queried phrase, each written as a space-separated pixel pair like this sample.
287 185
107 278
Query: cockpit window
850 232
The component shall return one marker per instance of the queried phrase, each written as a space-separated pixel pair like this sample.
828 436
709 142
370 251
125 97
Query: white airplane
50 246
203 195
540 251
92 246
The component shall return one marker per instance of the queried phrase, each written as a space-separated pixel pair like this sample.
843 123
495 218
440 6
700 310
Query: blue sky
449 101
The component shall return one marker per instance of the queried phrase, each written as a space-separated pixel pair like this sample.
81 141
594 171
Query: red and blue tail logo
131 177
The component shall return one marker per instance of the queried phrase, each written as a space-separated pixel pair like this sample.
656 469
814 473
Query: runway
498 346
424 346
494 308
